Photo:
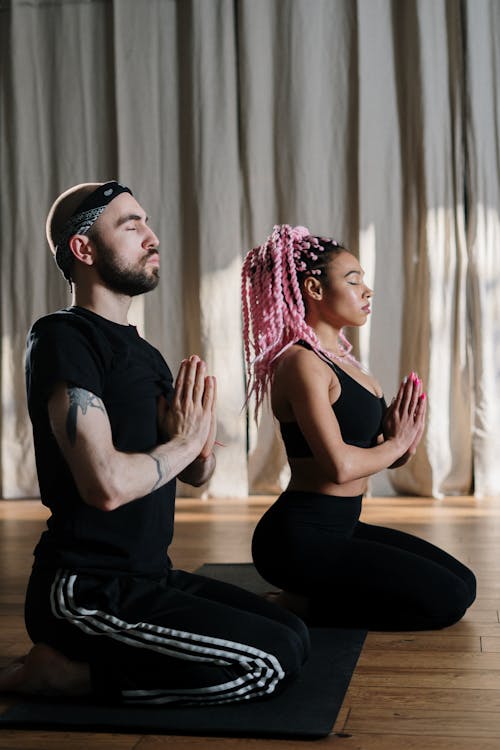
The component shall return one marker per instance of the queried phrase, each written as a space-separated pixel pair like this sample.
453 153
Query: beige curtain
373 121
430 95
483 197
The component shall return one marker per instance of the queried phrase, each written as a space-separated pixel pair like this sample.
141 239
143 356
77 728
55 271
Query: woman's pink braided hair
273 307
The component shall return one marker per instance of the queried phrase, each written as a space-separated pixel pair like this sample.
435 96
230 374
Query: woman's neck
330 339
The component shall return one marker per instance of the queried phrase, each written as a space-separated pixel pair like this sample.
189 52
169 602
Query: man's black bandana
89 211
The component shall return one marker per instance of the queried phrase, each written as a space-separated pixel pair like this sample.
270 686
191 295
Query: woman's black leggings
356 574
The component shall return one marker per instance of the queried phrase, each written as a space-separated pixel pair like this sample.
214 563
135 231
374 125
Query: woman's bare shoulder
301 364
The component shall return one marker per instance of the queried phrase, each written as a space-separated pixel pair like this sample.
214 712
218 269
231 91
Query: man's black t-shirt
113 362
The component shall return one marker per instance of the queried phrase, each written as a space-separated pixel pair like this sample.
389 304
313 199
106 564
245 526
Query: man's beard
129 281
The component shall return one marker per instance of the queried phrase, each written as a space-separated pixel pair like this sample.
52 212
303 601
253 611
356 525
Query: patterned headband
89 211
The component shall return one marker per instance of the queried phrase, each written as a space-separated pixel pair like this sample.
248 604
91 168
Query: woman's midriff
306 476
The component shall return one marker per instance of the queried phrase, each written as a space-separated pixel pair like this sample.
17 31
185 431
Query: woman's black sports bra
359 413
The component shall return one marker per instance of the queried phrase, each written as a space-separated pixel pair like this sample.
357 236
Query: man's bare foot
45 671
299 605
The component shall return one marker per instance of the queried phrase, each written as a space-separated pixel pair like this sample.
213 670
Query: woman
299 292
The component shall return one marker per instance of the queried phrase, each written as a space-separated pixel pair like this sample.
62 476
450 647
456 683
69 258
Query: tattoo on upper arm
79 398
162 469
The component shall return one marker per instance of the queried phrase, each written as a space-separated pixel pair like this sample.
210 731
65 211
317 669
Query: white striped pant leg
229 669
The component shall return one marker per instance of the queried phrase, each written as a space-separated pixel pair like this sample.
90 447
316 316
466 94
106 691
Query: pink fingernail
423 396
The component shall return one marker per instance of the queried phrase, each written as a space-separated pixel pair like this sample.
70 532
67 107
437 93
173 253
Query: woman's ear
81 247
313 288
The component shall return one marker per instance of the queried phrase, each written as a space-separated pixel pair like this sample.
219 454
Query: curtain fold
299 114
380 200
373 121
434 334
211 232
483 198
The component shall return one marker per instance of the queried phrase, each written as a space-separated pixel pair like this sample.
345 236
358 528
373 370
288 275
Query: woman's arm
306 382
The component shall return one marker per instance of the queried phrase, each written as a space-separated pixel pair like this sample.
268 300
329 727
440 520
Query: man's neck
104 302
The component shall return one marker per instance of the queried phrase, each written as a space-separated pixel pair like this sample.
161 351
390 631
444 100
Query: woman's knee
452 606
470 582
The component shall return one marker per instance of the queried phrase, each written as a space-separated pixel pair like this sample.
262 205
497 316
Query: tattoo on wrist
161 468
79 398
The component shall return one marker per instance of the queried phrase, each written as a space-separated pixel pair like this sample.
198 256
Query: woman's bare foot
299 605
45 671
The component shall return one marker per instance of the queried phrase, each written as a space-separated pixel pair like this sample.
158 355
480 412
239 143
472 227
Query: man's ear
82 249
313 288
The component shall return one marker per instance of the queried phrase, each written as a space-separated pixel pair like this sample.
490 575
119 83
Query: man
107 613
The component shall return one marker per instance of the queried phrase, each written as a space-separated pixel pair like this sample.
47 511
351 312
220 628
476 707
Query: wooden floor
410 691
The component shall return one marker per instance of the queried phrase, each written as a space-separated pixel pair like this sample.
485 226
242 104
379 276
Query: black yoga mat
306 710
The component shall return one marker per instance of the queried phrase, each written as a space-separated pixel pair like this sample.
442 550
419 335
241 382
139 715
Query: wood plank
467 627
490 644
431 678
422 698
422 642
481 615
11 739
483 603
432 660
423 722
490 573
372 741
237 743
340 741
